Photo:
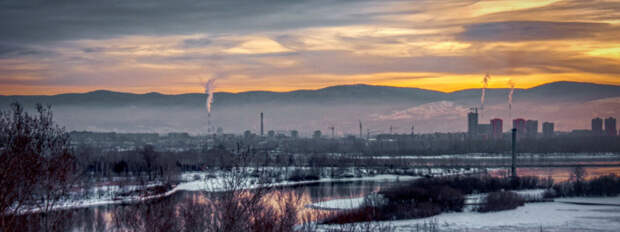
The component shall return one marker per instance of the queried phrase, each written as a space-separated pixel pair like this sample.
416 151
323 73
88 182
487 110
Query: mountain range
569 104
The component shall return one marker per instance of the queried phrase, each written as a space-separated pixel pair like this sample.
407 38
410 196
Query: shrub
301 175
601 186
498 201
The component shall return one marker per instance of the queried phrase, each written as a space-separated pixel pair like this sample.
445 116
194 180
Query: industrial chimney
262 132
514 153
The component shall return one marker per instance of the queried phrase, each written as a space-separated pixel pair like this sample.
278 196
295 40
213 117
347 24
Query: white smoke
433 110
512 91
209 87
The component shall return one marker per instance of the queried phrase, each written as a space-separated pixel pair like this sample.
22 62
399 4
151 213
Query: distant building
597 126
247 134
317 134
548 129
519 124
294 134
610 126
484 130
497 128
531 128
581 132
472 122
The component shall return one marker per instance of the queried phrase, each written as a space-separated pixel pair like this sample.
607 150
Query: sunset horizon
200 89
446 46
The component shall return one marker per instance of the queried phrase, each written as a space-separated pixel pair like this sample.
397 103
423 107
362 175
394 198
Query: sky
172 47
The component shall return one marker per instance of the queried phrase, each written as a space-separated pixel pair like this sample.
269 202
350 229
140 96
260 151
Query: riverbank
564 214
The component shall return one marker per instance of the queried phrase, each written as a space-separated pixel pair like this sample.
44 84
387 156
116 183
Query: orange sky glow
437 45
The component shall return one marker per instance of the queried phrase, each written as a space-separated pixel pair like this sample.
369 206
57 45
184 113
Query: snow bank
338 204
549 216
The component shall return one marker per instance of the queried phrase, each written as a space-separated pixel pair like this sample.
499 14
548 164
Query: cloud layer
49 47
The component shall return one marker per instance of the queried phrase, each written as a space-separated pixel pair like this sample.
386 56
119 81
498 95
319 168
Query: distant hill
570 105
342 94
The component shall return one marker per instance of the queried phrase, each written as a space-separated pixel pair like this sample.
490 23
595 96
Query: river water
105 218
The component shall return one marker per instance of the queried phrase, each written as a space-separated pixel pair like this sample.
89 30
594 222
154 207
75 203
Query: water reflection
194 211
558 174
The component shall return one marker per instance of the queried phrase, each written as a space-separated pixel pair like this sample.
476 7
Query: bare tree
578 174
36 166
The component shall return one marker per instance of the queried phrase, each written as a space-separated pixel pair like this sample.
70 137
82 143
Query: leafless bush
368 226
236 202
37 169
497 201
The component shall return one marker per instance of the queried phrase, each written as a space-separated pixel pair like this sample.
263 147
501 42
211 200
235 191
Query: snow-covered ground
204 182
528 194
219 183
606 155
612 201
548 216
338 204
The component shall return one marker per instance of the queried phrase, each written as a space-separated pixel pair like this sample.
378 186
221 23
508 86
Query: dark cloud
196 43
532 30
93 49
42 21
17 50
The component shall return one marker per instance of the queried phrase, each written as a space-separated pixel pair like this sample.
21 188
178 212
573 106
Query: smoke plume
485 84
209 87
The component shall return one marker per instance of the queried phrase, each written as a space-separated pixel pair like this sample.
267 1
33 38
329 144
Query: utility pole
514 153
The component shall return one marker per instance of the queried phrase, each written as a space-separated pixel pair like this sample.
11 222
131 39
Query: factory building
548 129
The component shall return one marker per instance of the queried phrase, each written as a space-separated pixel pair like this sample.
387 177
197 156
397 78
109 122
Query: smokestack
262 132
514 153
360 129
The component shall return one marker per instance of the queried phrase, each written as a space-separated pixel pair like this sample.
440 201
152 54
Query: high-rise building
496 128
472 122
597 126
610 126
548 129
531 128
519 124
